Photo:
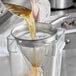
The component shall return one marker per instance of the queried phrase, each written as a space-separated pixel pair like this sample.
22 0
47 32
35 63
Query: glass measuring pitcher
36 51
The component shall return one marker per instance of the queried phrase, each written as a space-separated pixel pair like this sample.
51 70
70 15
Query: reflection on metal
60 19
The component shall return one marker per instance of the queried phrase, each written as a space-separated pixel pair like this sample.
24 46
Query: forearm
44 10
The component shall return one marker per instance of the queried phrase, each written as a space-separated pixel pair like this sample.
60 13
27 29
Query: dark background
74 0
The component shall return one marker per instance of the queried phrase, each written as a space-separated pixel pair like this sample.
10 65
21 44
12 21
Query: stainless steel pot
3 10
61 4
24 3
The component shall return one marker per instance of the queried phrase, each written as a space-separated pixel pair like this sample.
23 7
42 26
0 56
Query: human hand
33 2
35 9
